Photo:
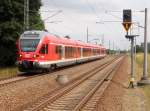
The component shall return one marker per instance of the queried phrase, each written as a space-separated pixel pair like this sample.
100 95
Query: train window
44 49
67 52
86 52
58 50
29 45
70 52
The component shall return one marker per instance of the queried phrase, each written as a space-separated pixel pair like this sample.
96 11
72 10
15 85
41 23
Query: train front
28 47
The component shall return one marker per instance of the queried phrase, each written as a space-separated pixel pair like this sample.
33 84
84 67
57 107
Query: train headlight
35 56
20 55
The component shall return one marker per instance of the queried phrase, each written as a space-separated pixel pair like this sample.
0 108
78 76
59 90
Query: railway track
80 93
8 81
15 79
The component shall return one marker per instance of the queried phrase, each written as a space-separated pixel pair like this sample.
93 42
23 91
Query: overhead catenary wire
109 13
63 13
113 15
97 15
56 21
92 9
53 15
41 11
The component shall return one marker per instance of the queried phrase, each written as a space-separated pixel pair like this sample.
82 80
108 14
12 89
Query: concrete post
145 48
132 63
145 80
87 39
109 47
132 57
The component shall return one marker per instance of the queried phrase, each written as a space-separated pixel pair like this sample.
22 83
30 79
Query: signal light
127 15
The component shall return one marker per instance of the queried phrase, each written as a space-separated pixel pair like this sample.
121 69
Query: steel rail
69 87
15 79
103 84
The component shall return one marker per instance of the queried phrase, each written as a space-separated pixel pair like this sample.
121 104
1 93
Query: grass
139 72
8 72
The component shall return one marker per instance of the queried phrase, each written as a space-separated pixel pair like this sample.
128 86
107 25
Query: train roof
35 34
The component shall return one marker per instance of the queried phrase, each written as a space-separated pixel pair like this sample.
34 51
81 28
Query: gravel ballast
118 97
16 95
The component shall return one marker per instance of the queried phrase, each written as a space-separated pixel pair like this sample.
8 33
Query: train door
81 52
100 51
63 52
78 55
44 52
59 52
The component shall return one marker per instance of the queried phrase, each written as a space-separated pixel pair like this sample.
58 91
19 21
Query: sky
102 17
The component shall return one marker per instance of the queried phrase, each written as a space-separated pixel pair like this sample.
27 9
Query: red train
39 50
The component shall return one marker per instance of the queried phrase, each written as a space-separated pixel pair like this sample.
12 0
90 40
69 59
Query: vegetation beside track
8 72
12 25
139 72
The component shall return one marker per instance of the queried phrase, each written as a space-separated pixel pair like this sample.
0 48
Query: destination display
31 35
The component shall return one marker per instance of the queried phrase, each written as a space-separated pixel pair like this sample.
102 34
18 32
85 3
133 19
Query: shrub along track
80 93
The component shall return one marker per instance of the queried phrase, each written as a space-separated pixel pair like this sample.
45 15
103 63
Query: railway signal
127 19
127 22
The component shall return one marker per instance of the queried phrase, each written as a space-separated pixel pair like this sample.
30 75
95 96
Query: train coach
42 51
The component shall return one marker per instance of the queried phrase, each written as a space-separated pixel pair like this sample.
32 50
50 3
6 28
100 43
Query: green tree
11 26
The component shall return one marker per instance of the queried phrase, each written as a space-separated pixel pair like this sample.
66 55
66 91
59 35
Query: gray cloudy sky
77 15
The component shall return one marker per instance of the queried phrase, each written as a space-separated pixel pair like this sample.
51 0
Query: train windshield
29 45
